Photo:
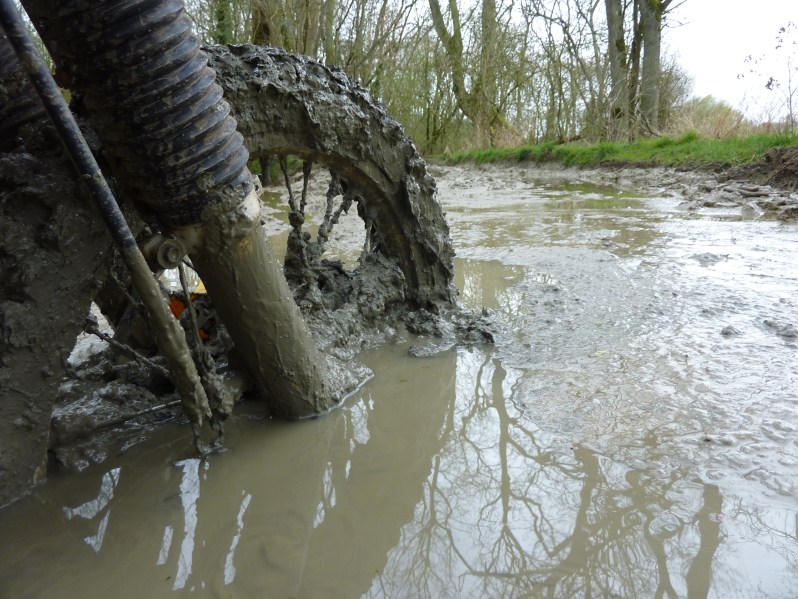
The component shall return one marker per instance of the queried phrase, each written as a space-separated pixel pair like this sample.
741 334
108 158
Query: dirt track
764 190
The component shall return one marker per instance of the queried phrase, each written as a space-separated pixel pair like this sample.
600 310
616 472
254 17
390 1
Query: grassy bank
689 149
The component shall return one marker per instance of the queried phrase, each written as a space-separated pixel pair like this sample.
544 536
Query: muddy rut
631 430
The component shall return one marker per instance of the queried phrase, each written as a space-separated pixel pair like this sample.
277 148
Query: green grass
686 150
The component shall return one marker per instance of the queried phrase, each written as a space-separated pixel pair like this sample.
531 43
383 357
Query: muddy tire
287 104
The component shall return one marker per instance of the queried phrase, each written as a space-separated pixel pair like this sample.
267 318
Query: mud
762 190
360 305
778 168
630 434
53 249
369 307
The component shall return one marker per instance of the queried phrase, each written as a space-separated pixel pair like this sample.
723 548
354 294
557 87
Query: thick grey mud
631 434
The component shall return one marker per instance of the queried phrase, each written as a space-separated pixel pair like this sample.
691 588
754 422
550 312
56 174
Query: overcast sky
715 38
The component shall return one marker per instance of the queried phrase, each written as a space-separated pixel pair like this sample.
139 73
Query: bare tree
477 100
496 72
573 67
784 84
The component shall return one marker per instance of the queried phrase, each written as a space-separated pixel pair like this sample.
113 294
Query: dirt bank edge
763 188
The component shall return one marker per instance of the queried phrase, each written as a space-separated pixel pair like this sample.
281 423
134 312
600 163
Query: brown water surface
614 443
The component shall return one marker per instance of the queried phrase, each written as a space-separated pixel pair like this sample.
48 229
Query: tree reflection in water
509 510
435 484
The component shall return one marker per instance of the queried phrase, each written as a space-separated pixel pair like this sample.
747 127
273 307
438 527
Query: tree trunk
651 33
619 70
453 45
633 80
487 77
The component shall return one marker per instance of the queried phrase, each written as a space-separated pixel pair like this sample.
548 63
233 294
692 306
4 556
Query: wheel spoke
307 168
333 191
293 216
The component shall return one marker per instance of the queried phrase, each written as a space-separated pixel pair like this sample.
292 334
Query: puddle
616 442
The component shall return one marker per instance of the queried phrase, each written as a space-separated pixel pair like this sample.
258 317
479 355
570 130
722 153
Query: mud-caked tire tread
290 104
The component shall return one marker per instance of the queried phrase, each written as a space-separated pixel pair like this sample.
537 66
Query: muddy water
614 443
